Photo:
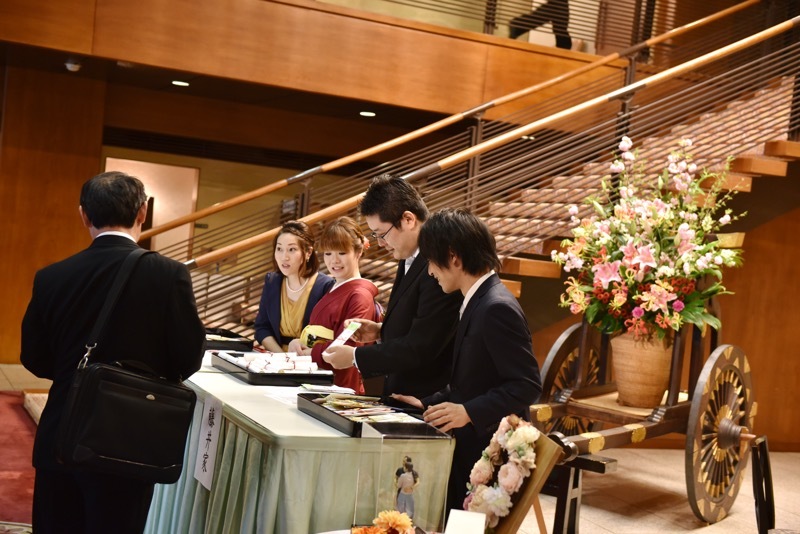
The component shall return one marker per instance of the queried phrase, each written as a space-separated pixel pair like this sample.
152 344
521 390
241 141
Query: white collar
114 232
472 291
337 285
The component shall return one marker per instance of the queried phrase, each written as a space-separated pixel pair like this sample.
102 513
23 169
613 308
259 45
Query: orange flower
393 522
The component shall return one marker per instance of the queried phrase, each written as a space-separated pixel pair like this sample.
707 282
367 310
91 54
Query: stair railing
477 111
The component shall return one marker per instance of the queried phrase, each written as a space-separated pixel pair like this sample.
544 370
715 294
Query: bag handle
120 280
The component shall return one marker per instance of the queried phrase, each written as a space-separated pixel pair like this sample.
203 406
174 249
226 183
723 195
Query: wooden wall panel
762 318
321 48
50 145
232 122
298 44
291 46
505 70
60 24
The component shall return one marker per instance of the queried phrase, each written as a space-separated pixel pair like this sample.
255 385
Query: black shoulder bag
121 418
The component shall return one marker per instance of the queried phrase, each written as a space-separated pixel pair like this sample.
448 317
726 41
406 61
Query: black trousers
553 11
90 503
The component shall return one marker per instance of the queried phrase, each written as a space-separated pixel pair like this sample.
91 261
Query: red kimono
353 299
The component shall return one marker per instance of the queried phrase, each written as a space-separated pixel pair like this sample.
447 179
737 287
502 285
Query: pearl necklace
298 290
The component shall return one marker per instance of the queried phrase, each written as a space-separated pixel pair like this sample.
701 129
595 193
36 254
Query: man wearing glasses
415 349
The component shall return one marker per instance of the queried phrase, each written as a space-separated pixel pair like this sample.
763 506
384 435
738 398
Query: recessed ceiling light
180 83
367 113
528 137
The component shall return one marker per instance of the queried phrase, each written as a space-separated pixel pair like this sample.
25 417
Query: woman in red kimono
342 244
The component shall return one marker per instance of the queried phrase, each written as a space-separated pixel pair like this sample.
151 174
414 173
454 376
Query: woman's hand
297 346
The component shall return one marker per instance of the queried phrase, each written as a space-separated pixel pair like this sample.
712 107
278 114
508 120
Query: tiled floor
646 494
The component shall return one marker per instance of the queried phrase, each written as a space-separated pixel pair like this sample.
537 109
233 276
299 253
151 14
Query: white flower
625 144
617 166
725 219
523 436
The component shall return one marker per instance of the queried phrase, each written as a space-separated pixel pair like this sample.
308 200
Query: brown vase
641 369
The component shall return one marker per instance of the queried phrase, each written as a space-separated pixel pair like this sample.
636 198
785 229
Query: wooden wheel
560 372
722 408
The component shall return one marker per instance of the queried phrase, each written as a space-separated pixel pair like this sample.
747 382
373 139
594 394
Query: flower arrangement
503 467
646 261
387 522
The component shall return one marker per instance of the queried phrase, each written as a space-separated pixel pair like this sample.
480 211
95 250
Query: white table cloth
280 470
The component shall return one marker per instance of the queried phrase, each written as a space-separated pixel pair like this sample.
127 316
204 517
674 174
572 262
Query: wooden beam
758 165
731 182
526 267
514 286
782 149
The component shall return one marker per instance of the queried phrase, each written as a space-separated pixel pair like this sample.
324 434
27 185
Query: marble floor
646 494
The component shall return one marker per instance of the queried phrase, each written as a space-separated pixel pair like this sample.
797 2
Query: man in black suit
154 321
415 348
494 371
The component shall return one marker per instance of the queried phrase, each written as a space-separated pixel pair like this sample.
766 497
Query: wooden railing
631 52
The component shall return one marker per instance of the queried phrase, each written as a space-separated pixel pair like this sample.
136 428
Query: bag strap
120 280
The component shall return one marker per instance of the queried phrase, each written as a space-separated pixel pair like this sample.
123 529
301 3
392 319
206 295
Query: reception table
280 470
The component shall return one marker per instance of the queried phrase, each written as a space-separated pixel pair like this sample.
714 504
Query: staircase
544 210
523 186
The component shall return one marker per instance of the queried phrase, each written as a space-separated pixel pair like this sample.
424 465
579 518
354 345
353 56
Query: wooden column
50 144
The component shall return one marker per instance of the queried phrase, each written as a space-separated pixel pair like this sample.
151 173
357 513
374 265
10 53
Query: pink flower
625 144
617 167
678 306
493 452
644 257
510 478
656 299
467 501
725 219
606 273
637 312
481 472
628 253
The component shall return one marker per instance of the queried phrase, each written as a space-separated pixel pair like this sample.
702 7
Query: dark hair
460 232
389 196
112 199
306 240
342 234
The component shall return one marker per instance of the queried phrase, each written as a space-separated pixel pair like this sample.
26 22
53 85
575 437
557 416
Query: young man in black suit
415 352
494 371
154 321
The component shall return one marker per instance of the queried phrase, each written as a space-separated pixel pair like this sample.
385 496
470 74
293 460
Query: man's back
155 322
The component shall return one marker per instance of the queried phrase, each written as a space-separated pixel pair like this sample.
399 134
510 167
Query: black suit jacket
416 348
494 375
154 321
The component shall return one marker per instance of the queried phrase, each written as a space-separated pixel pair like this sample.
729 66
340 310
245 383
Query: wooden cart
578 408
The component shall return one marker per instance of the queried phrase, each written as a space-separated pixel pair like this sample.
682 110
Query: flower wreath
511 449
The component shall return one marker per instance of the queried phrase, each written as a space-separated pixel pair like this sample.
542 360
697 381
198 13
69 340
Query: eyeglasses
382 237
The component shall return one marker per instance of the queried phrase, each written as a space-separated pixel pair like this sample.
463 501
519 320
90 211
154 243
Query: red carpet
16 473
